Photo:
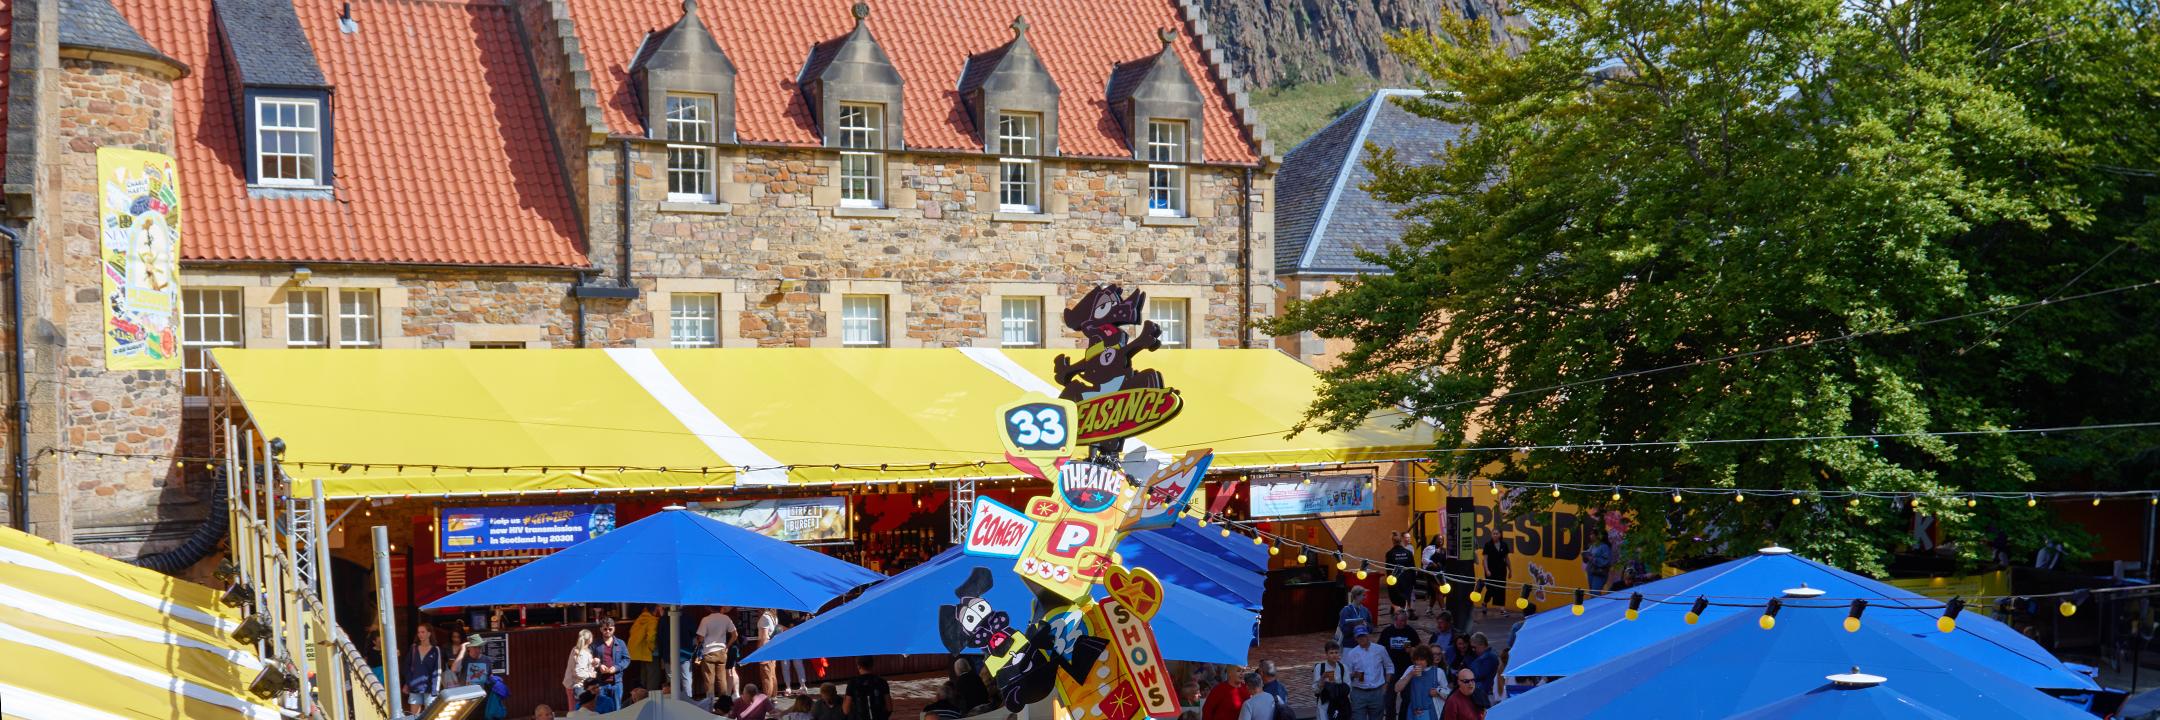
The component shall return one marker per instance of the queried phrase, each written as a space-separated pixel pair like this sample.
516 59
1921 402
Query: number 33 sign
1038 427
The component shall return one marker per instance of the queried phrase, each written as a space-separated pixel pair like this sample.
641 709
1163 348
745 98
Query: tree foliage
1657 183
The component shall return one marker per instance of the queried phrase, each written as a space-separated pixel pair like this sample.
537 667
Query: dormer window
1166 168
862 162
690 150
1019 170
289 142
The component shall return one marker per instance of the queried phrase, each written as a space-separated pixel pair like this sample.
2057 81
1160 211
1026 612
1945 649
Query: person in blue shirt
1486 665
1272 686
1419 685
1353 615
611 658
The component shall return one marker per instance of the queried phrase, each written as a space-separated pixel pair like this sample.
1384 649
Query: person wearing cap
1370 669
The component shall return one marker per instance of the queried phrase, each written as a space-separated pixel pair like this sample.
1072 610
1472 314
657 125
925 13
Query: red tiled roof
929 42
442 156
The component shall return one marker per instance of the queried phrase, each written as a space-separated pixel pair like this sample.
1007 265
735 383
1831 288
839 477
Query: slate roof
929 42
272 50
95 24
443 153
1323 215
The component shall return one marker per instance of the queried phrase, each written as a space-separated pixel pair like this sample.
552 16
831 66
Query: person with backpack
869 697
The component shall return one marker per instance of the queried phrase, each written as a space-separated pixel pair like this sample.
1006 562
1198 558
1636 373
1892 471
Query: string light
1577 608
1616 495
1302 559
1948 621
1556 492
1477 593
1852 617
1769 614
1795 499
1634 606
2096 502
1446 588
1361 571
1739 497
2070 604
1972 502
1695 612
1274 549
2030 501
1676 498
1341 563
1522 602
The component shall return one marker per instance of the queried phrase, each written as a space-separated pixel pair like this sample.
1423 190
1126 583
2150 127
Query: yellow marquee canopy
87 637
398 423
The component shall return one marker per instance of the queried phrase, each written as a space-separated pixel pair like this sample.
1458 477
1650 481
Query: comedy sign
995 530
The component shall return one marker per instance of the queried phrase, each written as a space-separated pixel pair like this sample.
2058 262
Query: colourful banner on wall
139 239
545 527
796 520
1275 496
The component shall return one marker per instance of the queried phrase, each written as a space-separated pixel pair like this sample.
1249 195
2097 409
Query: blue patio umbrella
900 616
1730 665
675 558
1201 560
1559 644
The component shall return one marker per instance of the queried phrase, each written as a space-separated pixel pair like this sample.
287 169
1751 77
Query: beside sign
796 520
545 527
1291 496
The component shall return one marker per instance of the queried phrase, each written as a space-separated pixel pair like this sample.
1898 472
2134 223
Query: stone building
1327 218
416 174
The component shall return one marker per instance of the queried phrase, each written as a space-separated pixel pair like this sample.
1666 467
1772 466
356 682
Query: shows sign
1137 682
547 527
795 520
1275 496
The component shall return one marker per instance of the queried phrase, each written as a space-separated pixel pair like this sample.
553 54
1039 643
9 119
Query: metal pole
291 594
330 663
388 620
674 643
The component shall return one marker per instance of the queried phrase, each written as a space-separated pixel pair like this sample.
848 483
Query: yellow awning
398 423
86 636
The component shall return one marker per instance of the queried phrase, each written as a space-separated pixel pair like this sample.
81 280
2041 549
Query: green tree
1656 183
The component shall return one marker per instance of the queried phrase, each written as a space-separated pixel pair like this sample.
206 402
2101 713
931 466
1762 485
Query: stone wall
1319 352
133 412
782 253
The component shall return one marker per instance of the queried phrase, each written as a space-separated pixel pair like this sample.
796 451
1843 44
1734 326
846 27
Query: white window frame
862 320
359 316
205 325
1019 145
861 127
690 156
307 318
1174 316
301 134
1020 322
694 320
1166 168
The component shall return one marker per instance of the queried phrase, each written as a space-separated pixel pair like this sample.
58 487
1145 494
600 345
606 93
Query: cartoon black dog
1030 672
973 624
1106 367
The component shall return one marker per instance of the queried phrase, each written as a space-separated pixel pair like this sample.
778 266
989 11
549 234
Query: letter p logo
1069 537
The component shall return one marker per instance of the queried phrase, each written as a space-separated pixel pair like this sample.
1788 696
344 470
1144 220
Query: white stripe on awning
645 367
103 624
30 705
17 557
1141 459
122 668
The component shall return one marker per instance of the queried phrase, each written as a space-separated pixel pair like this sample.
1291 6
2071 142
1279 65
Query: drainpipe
577 293
21 432
622 207
1245 260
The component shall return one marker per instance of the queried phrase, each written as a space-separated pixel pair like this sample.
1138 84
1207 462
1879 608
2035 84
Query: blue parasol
674 558
1559 644
900 616
1197 559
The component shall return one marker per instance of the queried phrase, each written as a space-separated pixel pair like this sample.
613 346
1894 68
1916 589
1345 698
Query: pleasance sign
1127 413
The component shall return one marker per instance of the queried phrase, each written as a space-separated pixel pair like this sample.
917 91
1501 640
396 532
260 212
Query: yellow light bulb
1447 588
1691 617
1972 502
1361 575
1631 614
2031 501
1255 539
1852 624
1767 622
2096 502
1496 488
1676 498
1273 550
1795 499
1946 623
1391 580
2068 608
1739 497
1476 597
1556 492
1342 564
1302 559
1522 602
1616 496
1577 609
1226 532
1203 522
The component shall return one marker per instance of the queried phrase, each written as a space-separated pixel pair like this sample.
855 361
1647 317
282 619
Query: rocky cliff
1278 43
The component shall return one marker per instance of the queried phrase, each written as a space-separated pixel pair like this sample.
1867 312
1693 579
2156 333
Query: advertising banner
545 527
139 245
795 520
1275 496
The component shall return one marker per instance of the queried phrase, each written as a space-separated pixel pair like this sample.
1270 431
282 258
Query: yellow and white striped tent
414 423
85 637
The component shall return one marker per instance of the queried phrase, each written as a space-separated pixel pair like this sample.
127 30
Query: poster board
795 520
139 216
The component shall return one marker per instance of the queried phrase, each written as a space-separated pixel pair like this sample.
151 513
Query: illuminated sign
1304 496
547 527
